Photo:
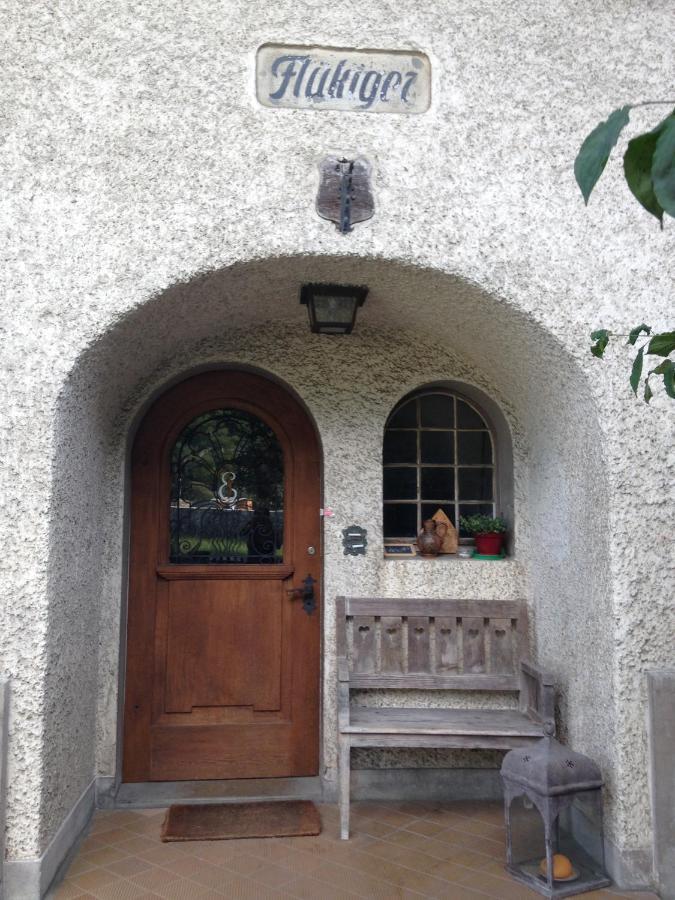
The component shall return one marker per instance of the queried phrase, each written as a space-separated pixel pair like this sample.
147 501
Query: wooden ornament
449 544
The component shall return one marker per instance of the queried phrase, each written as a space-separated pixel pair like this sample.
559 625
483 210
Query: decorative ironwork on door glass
227 491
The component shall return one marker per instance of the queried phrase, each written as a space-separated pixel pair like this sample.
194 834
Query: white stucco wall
138 161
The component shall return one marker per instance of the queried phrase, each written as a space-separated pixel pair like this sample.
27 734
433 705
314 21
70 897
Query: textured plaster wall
136 160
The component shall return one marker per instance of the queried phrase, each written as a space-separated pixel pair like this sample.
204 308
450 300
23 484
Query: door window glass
227 491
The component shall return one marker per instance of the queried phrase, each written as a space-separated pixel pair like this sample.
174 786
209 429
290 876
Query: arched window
439 452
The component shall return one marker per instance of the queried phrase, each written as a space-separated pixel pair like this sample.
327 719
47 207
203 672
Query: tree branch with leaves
649 170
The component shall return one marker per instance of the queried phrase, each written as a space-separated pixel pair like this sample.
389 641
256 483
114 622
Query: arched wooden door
222 675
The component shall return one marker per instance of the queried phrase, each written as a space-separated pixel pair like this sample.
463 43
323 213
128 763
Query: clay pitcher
428 541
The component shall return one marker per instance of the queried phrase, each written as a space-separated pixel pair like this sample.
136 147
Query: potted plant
488 532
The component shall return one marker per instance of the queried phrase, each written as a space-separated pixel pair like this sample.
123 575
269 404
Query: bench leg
344 785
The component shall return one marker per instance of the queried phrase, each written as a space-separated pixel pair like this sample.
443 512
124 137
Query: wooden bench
465 645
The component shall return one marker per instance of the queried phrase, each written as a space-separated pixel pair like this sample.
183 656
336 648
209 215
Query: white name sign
358 80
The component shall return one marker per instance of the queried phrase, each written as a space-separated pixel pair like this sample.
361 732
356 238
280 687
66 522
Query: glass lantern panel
528 836
579 834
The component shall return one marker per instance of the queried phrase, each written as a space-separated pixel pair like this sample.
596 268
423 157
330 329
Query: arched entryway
223 632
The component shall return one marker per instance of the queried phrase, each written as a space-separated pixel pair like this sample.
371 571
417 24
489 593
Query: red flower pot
489 544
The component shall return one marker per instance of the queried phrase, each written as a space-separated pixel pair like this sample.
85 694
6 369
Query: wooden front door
222 677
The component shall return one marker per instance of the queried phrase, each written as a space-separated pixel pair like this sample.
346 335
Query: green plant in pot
488 531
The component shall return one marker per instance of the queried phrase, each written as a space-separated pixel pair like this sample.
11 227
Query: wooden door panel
259 751
223 645
222 676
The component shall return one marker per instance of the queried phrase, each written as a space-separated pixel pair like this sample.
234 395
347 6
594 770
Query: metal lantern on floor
553 809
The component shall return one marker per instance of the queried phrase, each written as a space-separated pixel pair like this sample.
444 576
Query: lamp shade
332 307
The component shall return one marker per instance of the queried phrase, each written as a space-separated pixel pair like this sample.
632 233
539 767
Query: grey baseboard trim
426 784
4 732
30 879
164 793
630 870
106 791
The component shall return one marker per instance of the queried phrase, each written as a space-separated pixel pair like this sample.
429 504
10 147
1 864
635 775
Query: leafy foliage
480 524
648 163
661 344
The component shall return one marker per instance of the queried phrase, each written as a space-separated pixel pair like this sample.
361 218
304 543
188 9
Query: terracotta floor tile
273 875
94 878
137 844
183 889
162 853
104 856
245 889
214 877
307 888
130 865
79 865
424 827
92 842
68 891
504 888
184 866
364 825
154 878
119 890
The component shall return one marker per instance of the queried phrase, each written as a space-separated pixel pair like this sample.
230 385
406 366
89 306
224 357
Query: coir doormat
227 821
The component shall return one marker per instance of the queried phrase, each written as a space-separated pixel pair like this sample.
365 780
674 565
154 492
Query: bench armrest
537 693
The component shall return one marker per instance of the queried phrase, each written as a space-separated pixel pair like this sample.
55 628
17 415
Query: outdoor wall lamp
332 307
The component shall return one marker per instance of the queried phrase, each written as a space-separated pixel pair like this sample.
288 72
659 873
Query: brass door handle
306 594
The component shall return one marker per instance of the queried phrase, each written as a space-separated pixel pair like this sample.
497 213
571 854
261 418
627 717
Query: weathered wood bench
466 645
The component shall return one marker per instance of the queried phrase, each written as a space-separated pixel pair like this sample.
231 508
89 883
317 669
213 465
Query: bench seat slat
374 606
401 720
436 682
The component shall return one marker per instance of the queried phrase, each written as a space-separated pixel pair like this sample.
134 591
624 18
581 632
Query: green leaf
649 393
663 166
636 332
594 152
667 369
662 344
636 374
637 167
601 339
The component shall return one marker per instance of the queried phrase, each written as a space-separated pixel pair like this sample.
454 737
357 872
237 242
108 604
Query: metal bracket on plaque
344 195
354 540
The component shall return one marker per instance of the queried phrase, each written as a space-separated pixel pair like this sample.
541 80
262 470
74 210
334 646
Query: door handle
306 594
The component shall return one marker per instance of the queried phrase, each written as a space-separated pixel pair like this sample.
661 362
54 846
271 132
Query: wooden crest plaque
344 196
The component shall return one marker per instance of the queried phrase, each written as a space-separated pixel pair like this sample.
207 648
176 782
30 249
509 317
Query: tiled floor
397 850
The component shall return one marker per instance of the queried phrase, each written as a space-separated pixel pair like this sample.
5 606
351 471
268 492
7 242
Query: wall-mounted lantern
332 307
553 807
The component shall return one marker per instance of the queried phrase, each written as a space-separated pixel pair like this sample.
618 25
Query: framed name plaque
327 78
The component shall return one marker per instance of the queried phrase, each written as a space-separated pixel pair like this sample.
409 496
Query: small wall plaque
328 78
354 540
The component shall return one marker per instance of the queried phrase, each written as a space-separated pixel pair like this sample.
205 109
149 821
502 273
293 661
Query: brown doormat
226 821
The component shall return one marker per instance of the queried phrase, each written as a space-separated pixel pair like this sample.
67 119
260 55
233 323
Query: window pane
438 484
474 509
400 484
468 417
227 491
436 411
474 447
437 447
400 520
400 447
430 509
405 417
475 484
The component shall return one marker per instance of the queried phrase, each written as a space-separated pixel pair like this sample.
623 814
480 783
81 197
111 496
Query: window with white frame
438 453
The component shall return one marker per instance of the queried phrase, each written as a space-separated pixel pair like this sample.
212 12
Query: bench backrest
432 644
